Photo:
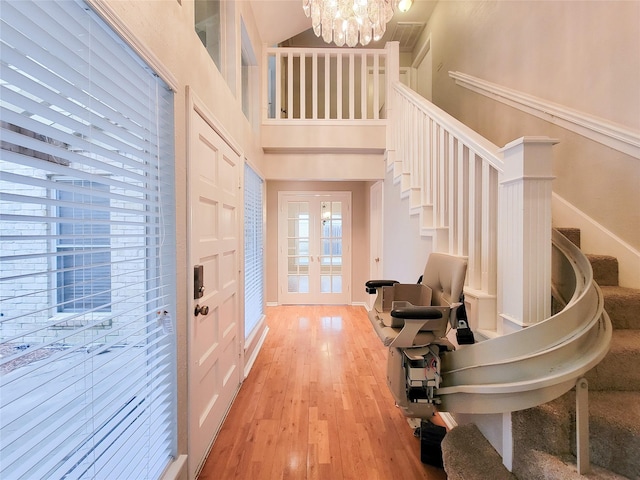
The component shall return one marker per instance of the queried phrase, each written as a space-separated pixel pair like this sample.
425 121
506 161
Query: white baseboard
177 470
448 420
254 354
272 304
596 239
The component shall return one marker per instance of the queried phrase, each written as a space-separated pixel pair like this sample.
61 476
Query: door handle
377 259
204 310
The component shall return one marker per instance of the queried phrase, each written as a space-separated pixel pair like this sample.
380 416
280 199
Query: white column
524 233
392 75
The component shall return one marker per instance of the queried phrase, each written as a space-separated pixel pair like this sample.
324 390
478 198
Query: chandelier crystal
347 21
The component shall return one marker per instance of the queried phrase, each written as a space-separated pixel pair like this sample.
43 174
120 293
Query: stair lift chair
413 320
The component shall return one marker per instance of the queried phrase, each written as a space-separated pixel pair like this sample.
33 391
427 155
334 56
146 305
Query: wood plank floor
316 406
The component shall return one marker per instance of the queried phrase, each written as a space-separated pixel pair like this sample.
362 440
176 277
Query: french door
314 248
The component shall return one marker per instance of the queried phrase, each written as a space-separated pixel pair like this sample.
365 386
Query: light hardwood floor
316 406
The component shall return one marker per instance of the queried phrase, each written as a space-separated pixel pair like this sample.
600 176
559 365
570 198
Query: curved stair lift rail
539 363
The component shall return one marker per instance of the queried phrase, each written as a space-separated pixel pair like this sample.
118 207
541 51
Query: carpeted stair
544 436
468 455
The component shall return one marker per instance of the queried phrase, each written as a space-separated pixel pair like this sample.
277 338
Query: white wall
405 252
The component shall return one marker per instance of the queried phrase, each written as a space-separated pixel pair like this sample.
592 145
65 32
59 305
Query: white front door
214 370
314 251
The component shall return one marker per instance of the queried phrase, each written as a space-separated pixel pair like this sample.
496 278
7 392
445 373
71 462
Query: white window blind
253 250
87 251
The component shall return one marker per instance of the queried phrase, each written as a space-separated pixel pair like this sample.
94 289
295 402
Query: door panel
214 370
314 261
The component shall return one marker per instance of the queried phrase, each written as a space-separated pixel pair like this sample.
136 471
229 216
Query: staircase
544 436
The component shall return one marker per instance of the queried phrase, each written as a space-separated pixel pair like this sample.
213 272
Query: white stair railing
475 204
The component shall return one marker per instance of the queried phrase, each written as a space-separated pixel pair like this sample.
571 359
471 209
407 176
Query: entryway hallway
316 406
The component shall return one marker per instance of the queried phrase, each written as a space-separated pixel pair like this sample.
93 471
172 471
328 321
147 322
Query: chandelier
347 21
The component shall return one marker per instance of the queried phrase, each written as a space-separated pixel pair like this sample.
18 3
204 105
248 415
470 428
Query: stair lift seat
413 320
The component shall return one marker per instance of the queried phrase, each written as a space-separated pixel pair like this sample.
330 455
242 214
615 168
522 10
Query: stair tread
620 407
539 464
605 268
572 234
614 426
478 461
611 290
612 373
622 305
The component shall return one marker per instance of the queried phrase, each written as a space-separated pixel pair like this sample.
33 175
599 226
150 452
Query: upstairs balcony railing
326 84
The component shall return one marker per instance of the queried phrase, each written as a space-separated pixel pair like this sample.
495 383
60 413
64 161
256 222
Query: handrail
473 140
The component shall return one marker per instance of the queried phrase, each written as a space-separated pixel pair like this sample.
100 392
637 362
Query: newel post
392 75
524 233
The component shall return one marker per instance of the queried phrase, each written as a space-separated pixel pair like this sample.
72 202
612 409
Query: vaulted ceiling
283 21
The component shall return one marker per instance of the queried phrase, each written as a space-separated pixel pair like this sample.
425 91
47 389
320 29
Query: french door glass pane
298 247
331 243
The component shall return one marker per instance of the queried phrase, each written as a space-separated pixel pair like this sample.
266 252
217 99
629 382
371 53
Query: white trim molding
611 134
102 8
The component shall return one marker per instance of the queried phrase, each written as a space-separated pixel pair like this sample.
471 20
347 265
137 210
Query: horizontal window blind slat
149 330
53 168
108 410
122 299
65 154
129 108
30 238
150 468
91 340
141 467
72 415
54 203
69 428
67 403
104 54
40 273
53 183
70 111
55 389
121 455
75 141
73 405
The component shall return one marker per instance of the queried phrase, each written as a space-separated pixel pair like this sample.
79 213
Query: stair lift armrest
372 285
413 312
416 318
